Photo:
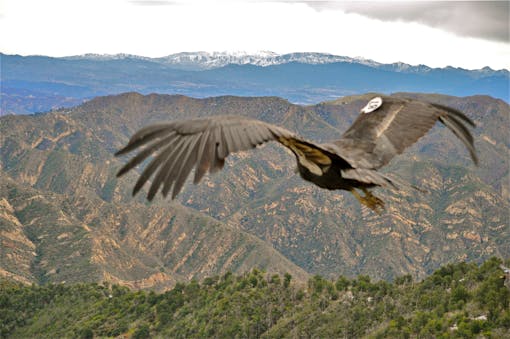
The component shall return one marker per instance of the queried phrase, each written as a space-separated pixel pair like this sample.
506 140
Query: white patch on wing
372 105
387 121
312 167
304 161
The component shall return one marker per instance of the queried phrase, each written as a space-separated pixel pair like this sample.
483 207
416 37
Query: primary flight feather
385 127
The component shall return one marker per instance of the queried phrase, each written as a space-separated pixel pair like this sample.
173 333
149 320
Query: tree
142 332
286 280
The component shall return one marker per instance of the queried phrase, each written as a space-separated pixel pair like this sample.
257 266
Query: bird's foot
369 200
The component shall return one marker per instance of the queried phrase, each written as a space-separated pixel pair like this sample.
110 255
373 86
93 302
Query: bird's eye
372 105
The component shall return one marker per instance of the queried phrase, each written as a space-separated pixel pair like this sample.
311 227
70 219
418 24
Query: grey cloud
479 19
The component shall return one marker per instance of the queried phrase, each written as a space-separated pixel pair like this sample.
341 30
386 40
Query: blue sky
465 34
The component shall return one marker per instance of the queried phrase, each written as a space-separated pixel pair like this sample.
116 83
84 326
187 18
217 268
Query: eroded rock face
65 217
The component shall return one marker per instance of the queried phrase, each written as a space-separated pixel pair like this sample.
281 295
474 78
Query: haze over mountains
37 83
65 217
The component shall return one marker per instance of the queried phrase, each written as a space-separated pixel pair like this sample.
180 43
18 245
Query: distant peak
95 56
202 60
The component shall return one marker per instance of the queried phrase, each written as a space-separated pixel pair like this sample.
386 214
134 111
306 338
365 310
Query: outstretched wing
387 126
203 143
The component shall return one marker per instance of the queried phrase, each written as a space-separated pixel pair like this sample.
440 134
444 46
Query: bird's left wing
388 125
203 143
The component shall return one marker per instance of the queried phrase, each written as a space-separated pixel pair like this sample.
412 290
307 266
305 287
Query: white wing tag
372 105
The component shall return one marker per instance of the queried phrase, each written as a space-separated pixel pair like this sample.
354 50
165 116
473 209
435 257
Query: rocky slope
65 217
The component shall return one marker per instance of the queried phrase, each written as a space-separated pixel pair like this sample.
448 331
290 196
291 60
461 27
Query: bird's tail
369 176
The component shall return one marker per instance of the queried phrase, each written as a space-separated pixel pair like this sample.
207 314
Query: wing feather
151 148
152 167
221 142
180 161
233 144
143 136
201 143
203 156
243 139
187 164
461 127
167 166
455 112
462 133
263 133
250 134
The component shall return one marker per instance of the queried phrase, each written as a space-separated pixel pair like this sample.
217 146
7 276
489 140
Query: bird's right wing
203 143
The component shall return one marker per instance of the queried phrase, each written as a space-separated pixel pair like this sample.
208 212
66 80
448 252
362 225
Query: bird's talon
374 203
370 201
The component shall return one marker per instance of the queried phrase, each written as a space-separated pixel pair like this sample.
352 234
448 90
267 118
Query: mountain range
64 216
196 61
38 83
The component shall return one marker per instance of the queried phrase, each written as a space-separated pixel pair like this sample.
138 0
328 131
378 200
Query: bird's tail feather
369 176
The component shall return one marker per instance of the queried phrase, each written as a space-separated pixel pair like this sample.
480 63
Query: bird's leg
369 200
374 201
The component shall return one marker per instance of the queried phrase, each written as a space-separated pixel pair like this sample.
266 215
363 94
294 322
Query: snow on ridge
206 60
202 60
105 57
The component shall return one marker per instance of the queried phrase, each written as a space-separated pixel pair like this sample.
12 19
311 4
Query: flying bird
385 127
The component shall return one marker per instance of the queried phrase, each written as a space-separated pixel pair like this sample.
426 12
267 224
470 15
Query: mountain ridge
37 83
462 217
208 60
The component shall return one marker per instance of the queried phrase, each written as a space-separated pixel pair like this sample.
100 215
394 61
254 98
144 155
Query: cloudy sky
469 34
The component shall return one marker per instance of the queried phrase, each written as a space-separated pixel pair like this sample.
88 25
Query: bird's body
385 127
331 179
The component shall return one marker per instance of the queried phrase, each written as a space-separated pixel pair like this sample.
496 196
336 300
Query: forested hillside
458 300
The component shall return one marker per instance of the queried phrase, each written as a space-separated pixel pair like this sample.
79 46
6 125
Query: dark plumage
385 128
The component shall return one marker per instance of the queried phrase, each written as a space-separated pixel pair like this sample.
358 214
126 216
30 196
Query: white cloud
157 28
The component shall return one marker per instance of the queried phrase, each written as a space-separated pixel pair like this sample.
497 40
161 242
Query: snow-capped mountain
206 60
105 57
199 61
